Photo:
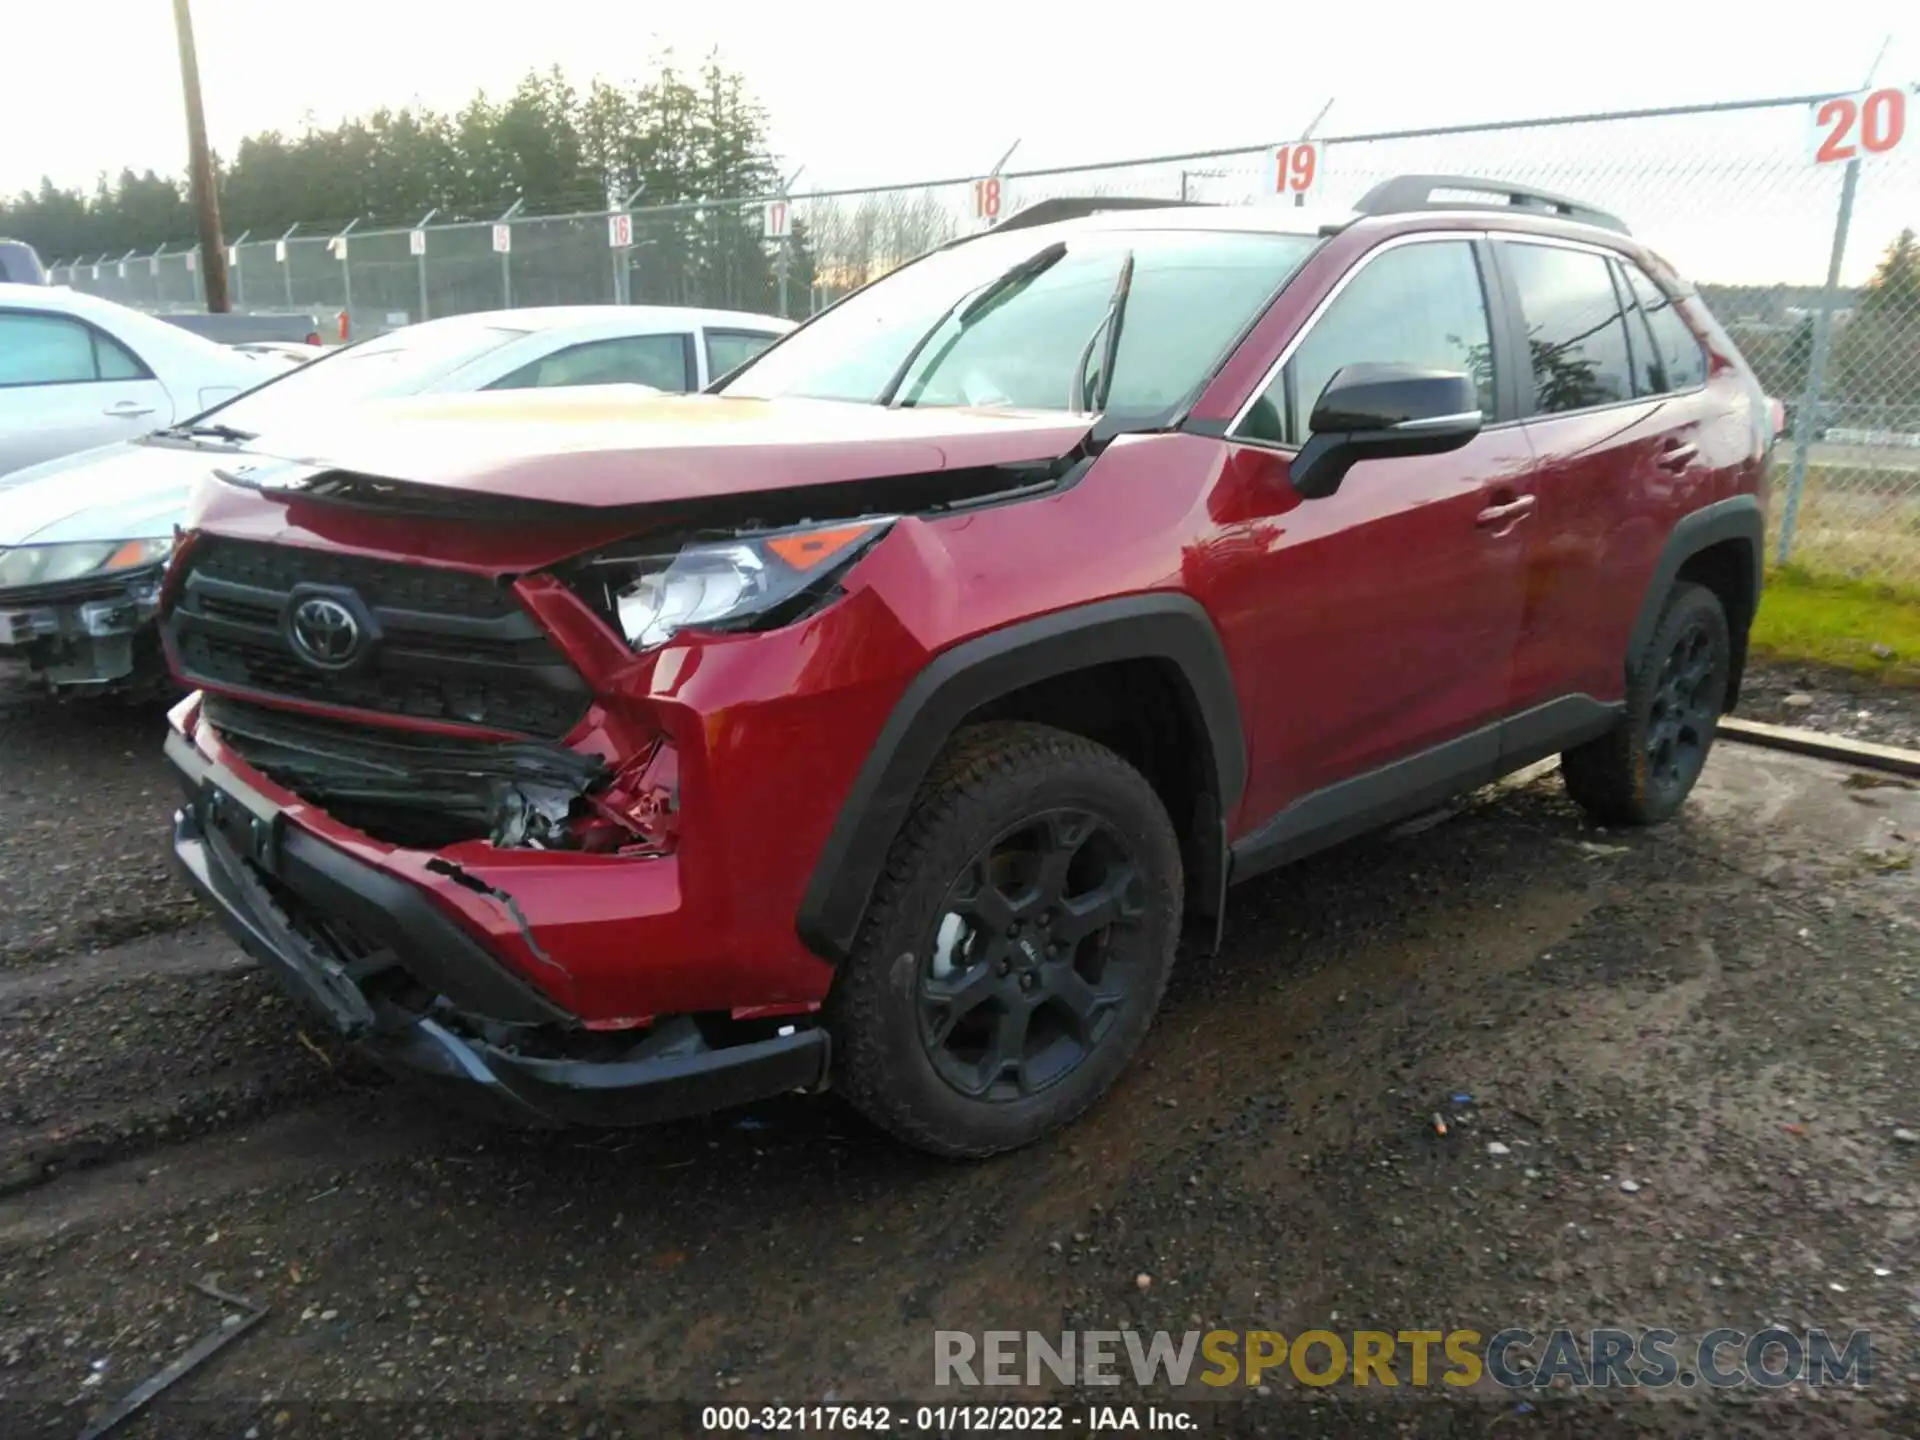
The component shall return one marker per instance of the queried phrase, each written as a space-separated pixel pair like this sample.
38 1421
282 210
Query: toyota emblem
325 633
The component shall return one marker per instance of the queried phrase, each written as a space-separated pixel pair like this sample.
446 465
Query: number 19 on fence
1295 167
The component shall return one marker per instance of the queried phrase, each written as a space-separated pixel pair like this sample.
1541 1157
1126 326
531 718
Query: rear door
66 385
1607 454
1378 623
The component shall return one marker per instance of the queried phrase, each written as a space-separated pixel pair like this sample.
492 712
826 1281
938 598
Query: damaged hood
123 491
619 445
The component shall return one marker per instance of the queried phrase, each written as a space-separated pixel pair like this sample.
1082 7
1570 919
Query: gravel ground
1687 1056
84 801
1836 702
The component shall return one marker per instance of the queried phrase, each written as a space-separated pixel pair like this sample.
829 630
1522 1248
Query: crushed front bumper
87 633
288 897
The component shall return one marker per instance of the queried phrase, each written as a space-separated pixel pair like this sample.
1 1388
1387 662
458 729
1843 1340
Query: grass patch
1839 622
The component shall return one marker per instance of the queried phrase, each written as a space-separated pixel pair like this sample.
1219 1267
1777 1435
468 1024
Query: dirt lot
1695 1047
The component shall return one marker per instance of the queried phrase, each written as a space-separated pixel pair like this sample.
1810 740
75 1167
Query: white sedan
84 539
77 371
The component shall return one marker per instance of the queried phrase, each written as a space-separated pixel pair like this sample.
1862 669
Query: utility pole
206 197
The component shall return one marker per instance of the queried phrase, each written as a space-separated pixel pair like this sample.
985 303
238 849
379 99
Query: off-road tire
991 778
1615 778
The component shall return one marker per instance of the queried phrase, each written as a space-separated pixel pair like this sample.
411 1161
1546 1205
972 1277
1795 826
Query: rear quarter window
1680 359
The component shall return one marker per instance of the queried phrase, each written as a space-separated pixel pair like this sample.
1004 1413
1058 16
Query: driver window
1418 304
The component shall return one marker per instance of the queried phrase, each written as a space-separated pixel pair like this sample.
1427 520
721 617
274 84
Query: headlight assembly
50 564
734 584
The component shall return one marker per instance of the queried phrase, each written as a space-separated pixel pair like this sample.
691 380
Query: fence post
284 246
233 253
346 273
623 254
421 260
783 262
1817 365
506 257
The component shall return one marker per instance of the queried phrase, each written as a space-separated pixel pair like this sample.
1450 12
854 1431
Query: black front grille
453 646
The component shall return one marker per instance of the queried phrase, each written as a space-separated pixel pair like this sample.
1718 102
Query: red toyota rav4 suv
877 718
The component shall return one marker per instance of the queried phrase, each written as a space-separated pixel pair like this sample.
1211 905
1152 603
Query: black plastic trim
1352 807
1555 726
1510 342
1739 517
544 1093
1403 787
1510 364
432 948
522 1089
1160 626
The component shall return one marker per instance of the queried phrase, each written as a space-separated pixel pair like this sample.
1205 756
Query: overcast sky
862 92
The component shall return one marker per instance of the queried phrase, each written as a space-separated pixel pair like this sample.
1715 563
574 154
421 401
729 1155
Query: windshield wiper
1110 327
970 308
190 431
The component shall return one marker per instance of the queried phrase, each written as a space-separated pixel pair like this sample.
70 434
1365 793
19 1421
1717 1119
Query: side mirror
1374 412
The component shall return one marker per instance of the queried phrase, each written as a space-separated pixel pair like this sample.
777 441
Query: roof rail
1076 207
1404 193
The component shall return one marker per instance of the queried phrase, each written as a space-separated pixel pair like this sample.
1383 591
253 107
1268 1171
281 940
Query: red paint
1359 628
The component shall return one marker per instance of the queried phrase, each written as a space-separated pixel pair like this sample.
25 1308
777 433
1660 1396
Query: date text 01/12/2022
943 1419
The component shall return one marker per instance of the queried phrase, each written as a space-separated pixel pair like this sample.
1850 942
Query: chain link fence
1802 259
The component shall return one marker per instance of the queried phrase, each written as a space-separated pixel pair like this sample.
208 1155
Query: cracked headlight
50 564
742 583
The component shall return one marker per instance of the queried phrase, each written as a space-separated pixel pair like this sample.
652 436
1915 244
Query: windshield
403 363
1007 321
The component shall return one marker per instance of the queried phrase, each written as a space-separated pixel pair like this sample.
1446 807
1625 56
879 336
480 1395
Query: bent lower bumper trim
520 1088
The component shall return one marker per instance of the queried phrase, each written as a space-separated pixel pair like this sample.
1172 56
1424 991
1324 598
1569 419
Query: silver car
84 540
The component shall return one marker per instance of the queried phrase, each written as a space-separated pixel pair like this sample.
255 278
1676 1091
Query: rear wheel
1016 947
1642 770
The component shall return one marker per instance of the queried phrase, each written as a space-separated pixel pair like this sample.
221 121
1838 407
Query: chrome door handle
127 410
1499 514
1677 457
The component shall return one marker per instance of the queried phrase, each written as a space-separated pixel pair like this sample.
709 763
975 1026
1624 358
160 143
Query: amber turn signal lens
803 552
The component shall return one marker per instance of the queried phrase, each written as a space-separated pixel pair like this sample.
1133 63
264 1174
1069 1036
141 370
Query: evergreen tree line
678 137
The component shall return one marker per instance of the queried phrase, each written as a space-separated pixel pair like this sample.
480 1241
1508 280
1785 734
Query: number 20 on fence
1858 127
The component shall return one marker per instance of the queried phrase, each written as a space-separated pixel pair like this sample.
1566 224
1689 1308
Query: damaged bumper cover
94 632
474 1028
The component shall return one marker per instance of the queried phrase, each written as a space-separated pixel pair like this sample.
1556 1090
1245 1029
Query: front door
1376 625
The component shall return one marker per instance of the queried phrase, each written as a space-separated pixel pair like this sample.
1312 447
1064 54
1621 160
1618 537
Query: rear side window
40 349
728 350
1418 304
661 361
1576 327
1678 361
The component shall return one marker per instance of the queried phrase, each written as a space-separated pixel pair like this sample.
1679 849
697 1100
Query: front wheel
1016 947
1641 771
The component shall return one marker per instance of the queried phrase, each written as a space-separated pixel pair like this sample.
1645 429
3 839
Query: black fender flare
1166 626
1739 517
